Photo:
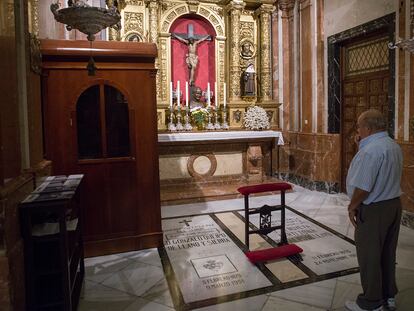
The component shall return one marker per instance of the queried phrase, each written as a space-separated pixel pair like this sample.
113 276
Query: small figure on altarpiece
248 81
196 94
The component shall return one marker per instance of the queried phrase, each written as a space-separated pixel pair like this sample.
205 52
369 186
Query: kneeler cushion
273 253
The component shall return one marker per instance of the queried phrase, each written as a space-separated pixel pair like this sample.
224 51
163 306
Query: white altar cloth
200 136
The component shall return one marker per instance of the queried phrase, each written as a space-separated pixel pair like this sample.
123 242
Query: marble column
264 13
235 8
287 6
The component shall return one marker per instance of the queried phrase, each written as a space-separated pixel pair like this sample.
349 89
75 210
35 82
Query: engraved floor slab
205 265
206 262
323 251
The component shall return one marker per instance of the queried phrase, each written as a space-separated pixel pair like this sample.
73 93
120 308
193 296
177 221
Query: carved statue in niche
248 81
191 40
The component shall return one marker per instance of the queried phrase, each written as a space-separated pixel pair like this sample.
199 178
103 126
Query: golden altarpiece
240 34
236 25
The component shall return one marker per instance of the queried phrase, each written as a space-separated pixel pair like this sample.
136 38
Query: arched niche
102 123
205 70
166 21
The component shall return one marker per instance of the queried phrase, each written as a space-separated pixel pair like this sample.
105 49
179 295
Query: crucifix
191 40
186 222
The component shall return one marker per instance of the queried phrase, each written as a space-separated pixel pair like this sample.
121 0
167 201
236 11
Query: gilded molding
167 5
153 21
218 10
134 2
235 8
35 55
265 45
220 69
163 62
134 22
34 17
247 30
247 12
153 38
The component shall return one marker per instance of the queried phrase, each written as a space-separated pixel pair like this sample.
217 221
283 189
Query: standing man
192 58
373 184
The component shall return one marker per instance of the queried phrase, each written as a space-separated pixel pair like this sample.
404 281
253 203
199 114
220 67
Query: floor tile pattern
136 280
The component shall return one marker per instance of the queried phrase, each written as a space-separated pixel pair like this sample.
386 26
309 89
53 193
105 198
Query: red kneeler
284 249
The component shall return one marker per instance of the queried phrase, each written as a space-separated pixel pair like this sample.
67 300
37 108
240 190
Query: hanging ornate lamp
88 20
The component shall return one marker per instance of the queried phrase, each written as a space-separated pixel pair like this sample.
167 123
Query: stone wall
311 160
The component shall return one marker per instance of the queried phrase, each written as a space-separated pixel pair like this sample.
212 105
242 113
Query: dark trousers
376 237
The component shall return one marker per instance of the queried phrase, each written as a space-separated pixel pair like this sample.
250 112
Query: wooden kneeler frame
284 249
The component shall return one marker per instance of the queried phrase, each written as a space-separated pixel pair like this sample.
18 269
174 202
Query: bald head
372 119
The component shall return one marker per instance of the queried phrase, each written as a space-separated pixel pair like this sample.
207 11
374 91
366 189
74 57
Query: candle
178 94
186 93
171 94
224 95
215 94
208 94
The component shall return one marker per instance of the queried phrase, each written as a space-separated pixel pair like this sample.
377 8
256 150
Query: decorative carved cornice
286 5
265 8
236 5
193 5
134 2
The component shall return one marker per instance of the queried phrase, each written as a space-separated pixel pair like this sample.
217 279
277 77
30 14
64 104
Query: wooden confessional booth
105 127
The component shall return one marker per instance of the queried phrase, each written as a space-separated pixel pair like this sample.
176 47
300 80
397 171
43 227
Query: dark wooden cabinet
51 226
105 127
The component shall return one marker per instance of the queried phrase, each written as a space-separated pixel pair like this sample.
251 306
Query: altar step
172 194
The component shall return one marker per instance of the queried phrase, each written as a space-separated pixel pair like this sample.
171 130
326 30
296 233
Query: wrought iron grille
367 57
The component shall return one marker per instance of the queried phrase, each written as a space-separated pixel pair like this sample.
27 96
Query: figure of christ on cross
191 41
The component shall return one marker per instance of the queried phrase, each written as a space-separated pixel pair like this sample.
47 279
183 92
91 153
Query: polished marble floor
136 280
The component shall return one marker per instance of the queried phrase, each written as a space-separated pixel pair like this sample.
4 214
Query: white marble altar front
221 136
203 158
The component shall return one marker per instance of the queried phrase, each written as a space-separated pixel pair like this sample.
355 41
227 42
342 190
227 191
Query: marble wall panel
173 167
306 69
229 164
407 187
313 160
407 181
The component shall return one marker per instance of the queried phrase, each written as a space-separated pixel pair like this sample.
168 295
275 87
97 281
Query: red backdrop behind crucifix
205 70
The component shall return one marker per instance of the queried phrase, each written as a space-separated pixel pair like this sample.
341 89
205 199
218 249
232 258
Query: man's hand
358 197
352 214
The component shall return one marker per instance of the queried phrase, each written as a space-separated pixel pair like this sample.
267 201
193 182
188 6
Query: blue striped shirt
376 168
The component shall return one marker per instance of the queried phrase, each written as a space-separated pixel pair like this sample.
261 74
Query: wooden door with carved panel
365 85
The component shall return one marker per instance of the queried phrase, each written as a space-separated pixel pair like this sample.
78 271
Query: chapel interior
119 110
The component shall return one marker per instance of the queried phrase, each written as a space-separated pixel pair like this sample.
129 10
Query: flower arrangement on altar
256 119
199 115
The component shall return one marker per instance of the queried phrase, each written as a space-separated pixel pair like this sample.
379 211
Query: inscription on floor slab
206 262
323 251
